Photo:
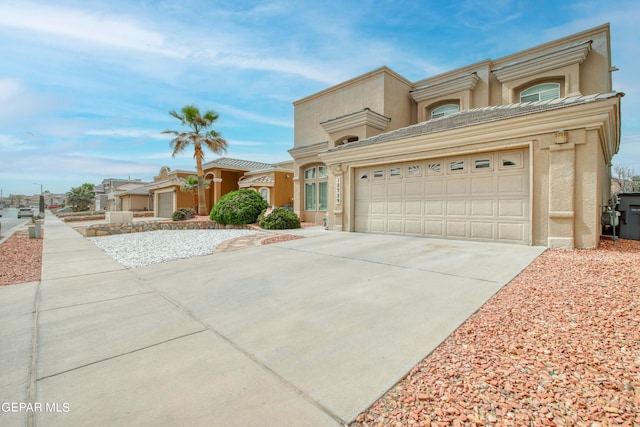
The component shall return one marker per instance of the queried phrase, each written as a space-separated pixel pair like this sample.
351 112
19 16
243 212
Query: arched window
541 92
444 110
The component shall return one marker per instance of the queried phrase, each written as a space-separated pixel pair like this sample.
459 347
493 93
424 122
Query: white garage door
165 205
477 197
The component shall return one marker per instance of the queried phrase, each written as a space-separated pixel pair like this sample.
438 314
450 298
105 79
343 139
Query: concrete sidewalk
305 332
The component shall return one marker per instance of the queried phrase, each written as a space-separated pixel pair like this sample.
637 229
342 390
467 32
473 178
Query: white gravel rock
153 247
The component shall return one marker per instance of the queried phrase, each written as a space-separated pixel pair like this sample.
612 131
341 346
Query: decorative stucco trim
456 84
573 54
365 117
308 150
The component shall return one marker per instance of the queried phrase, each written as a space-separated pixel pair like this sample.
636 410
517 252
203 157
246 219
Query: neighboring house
134 197
510 150
166 194
105 193
275 184
273 181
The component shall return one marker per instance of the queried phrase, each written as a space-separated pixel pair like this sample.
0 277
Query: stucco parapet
366 117
453 85
308 150
569 55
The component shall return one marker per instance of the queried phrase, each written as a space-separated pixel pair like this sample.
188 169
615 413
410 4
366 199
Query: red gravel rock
558 345
20 259
280 238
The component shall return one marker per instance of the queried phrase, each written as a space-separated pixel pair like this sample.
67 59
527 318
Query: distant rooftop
245 165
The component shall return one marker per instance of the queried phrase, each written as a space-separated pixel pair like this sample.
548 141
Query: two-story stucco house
514 150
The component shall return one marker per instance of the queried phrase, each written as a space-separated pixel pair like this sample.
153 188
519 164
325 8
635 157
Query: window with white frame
541 92
316 189
264 192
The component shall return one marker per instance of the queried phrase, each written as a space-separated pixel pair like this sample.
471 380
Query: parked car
24 212
65 209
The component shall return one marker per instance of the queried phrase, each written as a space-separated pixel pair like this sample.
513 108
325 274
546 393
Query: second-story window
444 110
540 92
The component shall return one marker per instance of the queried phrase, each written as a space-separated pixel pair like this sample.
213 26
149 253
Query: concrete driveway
305 332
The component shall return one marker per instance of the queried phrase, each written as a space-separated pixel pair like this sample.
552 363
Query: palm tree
190 183
80 197
199 135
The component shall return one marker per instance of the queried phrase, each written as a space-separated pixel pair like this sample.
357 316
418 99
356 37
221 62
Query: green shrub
188 213
278 219
238 207
178 215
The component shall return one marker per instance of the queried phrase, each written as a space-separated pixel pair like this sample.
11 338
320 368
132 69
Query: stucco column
297 196
336 197
562 183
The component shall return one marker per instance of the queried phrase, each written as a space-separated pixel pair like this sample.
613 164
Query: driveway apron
305 332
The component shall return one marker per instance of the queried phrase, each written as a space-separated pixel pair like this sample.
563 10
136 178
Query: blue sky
86 85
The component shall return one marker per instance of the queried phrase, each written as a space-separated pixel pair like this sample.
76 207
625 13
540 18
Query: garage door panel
433 207
511 232
483 230
363 191
394 226
377 225
482 207
482 185
413 207
362 207
434 187
512 208
486 198
377 207
378 189
413 226
457 207
413 189
512 184
433 228
456 229
395 207
456 187
394 189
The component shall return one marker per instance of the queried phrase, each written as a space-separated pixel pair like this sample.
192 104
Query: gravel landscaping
557 346
20 259
140 249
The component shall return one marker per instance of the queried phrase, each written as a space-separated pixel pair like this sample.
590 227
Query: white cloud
93 28
253 117
9 143
128 133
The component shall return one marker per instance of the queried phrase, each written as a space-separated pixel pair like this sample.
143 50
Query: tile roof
246 165
258 179
477 116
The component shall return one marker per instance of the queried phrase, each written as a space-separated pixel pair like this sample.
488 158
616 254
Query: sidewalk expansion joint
121 355
493 282
99 300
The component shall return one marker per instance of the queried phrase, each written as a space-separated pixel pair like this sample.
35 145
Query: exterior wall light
562 137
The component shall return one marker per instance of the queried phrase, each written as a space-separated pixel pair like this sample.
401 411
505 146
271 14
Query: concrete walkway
307 332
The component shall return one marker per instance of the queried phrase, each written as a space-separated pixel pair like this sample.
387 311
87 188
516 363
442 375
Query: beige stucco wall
569 181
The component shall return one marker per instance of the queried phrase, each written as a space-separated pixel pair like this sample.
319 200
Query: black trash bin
629 208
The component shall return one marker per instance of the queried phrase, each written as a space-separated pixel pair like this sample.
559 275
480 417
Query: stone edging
142 226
